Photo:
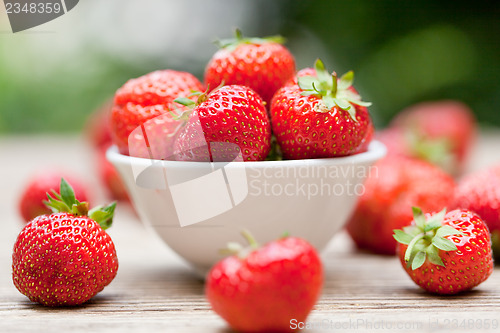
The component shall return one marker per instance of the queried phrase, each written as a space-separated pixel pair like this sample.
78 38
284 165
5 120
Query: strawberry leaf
103 215
329 101
323 75
444 244
184 101
418 260
346 80
67 193
334 92
418 217
56 205
433 255
432 224
343 104
67 202
231 44
308 83
427 237
361 103
446 230
402 237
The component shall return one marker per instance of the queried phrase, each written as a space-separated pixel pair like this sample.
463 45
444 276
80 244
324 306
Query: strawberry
142 105
230 122
31 200
480 193
262 64
446 253
65 258
440 132
394 185
98 134
317 116
262 289
97 129
110 178
365 143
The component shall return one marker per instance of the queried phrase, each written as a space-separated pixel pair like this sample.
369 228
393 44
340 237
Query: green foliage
402 52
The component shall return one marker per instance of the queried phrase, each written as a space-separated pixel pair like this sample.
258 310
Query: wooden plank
155 291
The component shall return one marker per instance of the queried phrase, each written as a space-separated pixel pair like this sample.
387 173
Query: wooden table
155 291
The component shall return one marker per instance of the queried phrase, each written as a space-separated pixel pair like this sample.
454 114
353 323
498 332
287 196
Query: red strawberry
262 289
394 140
262 64
394 185
228 122
65 258
98 128
148 97
480 193
440 132
365 143
319 116
110 178
98 133
446 253
31 201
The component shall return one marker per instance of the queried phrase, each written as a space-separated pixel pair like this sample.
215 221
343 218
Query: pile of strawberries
251 92
428 149
253 106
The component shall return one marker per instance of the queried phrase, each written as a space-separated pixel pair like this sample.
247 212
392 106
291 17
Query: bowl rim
376 150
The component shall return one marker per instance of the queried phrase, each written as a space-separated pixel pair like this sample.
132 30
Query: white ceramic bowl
197 208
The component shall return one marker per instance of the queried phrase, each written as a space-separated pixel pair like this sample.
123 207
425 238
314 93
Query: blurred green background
52 77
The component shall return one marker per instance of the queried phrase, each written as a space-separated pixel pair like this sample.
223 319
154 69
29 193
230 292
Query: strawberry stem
250 239
332 91
425 238
231 44
409 250
234 248
65 201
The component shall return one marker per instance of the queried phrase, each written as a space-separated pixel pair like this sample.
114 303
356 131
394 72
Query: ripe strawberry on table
394 185
480 193
141 122
110 178
98 134
446 253
65 258
230 121
262 289
31 200
441 132
262 64
97 130
317 115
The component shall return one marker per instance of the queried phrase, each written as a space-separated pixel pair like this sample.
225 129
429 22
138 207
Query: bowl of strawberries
258 146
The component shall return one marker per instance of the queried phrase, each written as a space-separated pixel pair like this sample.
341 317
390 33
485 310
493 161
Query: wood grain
155 291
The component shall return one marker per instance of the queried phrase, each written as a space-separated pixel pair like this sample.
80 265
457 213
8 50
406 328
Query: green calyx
231 44
434 150
425 239
275 154
234 248
65 201
189 104
332 91
495 243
